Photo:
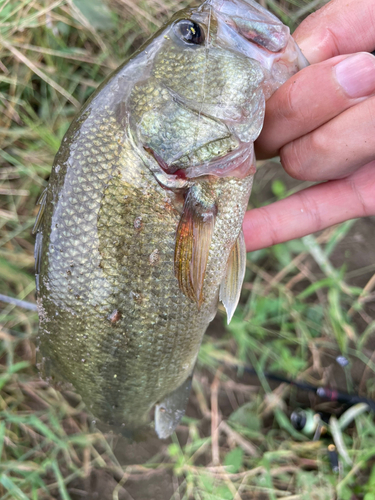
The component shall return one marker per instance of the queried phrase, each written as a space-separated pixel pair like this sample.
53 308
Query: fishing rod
322 392
321 424
17 302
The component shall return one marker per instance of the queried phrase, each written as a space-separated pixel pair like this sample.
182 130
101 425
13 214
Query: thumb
340 27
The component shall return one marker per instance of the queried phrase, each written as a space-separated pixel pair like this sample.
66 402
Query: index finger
340 27
311 210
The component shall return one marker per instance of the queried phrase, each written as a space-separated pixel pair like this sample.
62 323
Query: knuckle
270 225
293 160
358 196
290 107
362 187
296 106
320 141
297 157
311 208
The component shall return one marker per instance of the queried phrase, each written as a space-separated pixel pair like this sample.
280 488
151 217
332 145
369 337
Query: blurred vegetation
303 304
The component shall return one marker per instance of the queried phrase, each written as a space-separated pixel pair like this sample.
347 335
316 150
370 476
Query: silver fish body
139 233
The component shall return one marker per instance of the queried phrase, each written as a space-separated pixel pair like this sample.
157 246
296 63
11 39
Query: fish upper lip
237 13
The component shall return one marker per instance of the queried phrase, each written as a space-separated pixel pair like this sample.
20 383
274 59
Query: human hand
322 123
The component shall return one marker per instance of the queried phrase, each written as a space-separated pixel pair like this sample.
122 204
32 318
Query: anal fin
39 235
230 288
169 412
193 241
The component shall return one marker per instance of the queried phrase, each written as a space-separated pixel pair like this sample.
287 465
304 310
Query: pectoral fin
193 241
169 412
230 287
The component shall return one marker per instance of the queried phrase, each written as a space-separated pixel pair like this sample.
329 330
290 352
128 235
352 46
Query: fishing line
206 50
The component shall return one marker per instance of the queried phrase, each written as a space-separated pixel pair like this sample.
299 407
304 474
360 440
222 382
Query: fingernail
356 75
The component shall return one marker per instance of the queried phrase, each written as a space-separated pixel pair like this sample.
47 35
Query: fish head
201 105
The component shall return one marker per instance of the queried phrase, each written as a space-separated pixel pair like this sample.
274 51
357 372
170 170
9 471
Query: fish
138 235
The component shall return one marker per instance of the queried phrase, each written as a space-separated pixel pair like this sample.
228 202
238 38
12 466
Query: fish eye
189 32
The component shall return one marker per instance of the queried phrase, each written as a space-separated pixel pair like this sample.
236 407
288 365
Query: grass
303 304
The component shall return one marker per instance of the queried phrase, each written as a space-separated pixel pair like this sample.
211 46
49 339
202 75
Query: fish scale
139 230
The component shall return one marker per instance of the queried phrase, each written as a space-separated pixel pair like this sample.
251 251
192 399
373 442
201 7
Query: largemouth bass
139 230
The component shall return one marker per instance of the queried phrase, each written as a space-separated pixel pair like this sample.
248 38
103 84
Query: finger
311 210
314 96
340 27
335 149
